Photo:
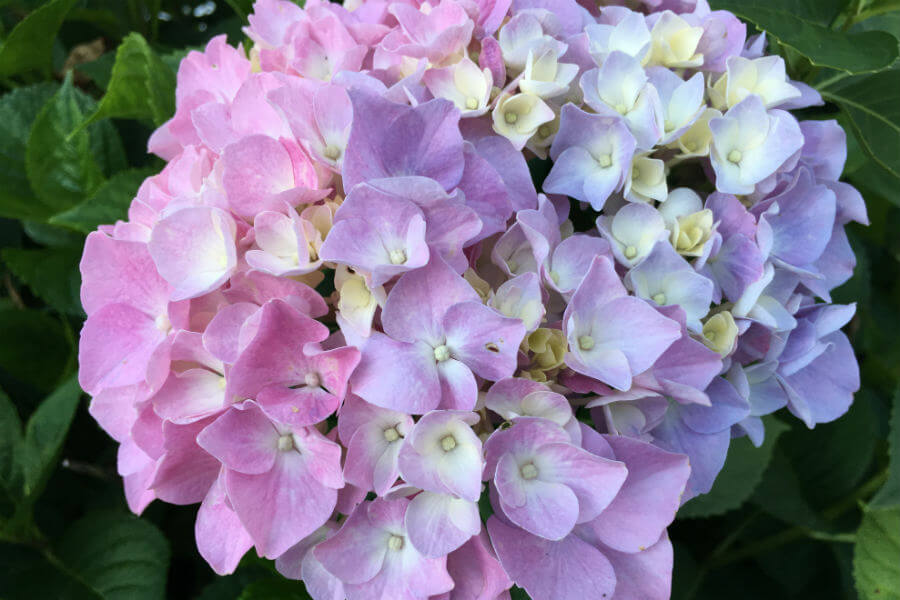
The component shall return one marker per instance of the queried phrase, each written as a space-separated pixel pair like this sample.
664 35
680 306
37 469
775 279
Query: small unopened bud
395 542
548 346
528 471
331 152
720 332
163 323
585 342
441 353
398 257
692 232
286 442
448 443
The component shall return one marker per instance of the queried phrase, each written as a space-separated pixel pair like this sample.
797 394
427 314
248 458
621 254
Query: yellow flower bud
692 232
674 42
696 140
255 66
480 285
534 375
720 332
354 294
549 347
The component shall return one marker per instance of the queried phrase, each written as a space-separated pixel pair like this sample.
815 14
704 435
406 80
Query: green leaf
743 470
485 510
241 7
10 435
843 558
10 440
821 12
807 560
880 16
876 560
18 110
889 494
118 555
141 86
29 575
45 433
799 25
50 273
29 46
27 460
114 24
60 167
99 70
830 460
173 59
873 179
36 348
275 587
106 145
52 235
859 287
779 493
231 586
109 203
872 104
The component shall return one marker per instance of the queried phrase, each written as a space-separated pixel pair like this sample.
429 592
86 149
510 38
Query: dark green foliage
810 514
742 472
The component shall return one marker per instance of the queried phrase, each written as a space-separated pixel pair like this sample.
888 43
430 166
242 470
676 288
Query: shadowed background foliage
810 514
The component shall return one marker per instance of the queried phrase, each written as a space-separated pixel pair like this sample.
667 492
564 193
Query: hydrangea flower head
347 322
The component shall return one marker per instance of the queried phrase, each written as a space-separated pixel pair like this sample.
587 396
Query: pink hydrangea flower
345 322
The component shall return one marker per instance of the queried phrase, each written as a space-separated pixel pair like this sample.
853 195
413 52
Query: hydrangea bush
344 320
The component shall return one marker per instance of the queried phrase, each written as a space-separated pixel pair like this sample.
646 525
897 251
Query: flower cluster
344 321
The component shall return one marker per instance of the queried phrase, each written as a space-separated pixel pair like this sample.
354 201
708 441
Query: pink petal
185 472
476 571
356 552
649 498
190 395
594 480
221 539
114 409
644 575
397 375
194 250
546 509
222 333
117 271
245 440
437 524
280 507
256 169
117 344
417 303
482 339
570 568
459 390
